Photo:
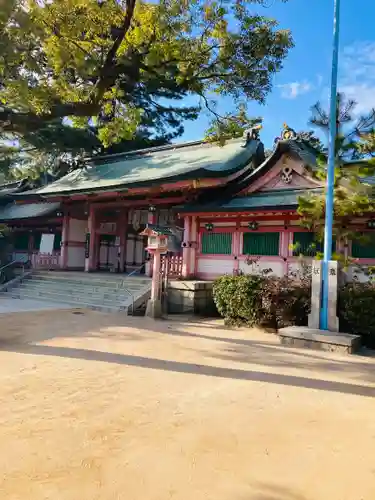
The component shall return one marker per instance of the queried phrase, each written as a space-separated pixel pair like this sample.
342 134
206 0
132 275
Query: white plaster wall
139 257
77 230
222 224
296 267
356 274
129 251
262 265
215 267
112 255
76 257
103 254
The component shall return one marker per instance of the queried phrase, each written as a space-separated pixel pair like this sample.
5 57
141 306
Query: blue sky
305 77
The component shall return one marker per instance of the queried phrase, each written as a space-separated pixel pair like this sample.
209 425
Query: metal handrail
126 289
10 264
136 270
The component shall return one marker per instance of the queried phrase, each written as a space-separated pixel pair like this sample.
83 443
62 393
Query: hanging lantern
253 225
209 226
371 224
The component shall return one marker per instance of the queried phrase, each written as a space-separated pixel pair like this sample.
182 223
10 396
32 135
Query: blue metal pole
330 168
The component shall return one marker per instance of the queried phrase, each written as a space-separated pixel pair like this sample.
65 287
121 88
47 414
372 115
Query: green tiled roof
13 211
281 199
162 230
175 162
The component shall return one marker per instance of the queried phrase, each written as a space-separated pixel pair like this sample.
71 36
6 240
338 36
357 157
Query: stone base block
300 336
154 309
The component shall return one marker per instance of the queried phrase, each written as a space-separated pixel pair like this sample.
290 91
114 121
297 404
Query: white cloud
294 89
357 74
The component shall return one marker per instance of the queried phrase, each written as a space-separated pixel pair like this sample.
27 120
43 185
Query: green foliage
310 139
238 299
121 66
230 126
263 300
353 197
286 301
356 311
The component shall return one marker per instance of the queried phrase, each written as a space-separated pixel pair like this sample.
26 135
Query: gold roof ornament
288 133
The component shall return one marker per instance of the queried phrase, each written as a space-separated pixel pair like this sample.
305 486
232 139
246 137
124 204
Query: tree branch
105 80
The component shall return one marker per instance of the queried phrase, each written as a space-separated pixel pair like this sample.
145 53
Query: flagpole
329 206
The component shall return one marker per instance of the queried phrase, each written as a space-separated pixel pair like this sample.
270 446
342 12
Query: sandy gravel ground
104 407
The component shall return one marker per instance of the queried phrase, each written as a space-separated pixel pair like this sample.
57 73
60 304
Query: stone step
76 304
75 295
92 279
99 292
126 287
36 284
46 294
84 286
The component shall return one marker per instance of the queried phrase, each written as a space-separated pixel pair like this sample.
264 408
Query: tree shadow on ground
192 368
225 346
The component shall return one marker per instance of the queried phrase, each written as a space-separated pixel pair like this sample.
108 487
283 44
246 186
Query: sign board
46 243
87 246
109 227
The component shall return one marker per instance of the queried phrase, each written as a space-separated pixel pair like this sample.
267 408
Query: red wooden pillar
121 232
30 245
65 242
194 236
186 250
91 230
236 247
152 219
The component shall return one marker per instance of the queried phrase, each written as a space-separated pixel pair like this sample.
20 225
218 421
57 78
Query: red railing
46 261
171 266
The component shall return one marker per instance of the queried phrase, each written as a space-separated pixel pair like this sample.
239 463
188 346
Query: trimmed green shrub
261 300
238 299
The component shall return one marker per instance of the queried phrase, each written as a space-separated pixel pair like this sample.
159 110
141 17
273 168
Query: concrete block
154 309
299 336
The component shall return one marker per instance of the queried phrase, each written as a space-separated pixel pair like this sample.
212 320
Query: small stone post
154 306
316 291
333 275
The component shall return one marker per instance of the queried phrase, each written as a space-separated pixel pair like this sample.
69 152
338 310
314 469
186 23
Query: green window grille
261 243
307 244
217 243
21 241
37 240
57 242
365 250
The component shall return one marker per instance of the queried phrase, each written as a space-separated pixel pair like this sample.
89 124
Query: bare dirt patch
106 407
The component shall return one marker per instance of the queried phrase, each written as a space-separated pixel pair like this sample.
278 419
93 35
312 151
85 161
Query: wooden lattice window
21 241
217 243
261 243
57 242
365 250
307 244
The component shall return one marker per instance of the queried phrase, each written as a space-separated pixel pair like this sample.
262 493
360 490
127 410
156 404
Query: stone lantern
157 245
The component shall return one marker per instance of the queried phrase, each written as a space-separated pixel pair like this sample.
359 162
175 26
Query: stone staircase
103 292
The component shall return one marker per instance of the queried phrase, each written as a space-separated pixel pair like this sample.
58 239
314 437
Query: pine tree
124 65
353 196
